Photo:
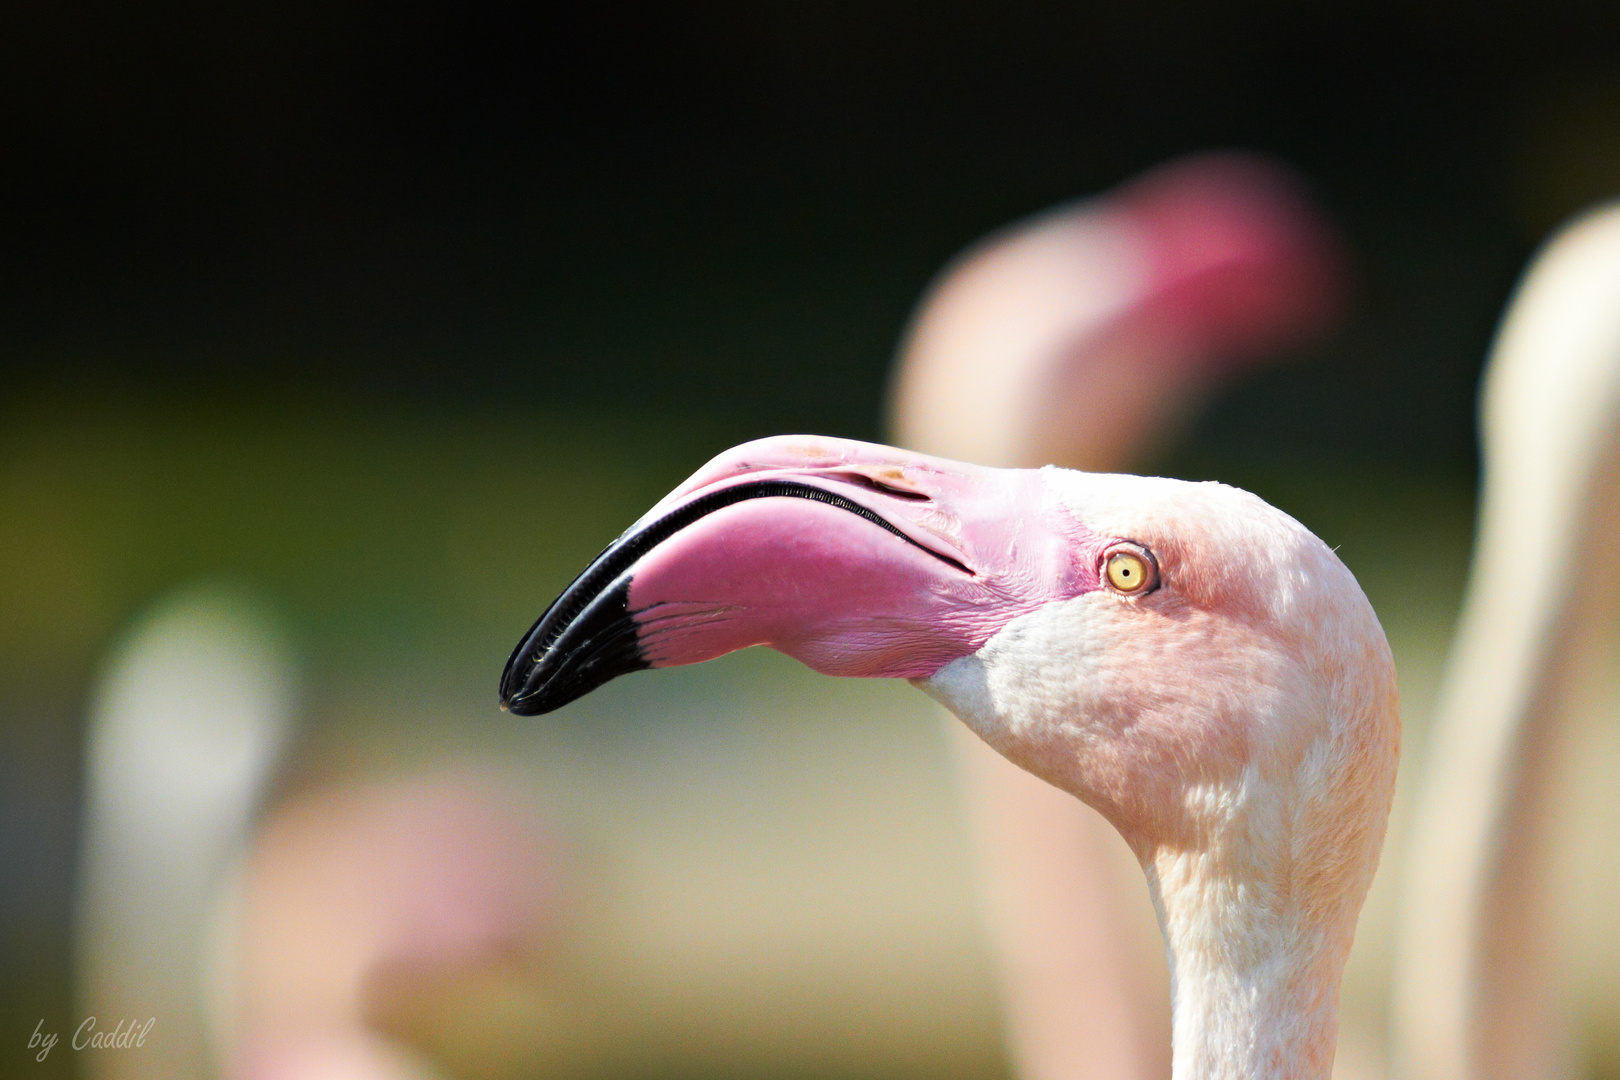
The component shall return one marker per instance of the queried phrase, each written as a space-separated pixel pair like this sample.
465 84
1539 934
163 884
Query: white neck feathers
1255 985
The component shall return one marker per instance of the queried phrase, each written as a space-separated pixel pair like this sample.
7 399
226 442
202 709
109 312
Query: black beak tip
526 705
511 691
522 706
524 685
522 702
554 665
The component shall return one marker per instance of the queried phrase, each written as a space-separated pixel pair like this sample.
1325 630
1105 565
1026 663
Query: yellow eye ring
1130 570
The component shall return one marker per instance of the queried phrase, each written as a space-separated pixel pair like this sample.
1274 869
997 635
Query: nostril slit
861 480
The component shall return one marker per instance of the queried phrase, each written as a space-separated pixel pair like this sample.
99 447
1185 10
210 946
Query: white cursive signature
128 1035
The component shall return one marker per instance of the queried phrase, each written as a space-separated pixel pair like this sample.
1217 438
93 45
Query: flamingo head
1182 656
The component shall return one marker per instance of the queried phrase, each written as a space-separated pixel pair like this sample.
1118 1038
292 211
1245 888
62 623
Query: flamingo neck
1254 980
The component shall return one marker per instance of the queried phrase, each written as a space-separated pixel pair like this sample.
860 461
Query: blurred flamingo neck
1254 981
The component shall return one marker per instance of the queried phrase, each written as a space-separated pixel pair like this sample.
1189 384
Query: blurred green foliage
391 535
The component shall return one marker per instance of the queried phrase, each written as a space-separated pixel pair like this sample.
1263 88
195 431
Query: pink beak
854 558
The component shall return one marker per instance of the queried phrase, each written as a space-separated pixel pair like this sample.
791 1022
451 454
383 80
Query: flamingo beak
854 558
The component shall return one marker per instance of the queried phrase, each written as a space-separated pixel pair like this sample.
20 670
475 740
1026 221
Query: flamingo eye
1131 570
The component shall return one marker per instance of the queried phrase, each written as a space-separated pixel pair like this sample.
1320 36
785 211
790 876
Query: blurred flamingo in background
350 891
264 945
1476 994
1088 337
189 719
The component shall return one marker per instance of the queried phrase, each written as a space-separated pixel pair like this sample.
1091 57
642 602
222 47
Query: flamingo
257 942
348 887
1184 658
189 718
1086 336
1473 977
